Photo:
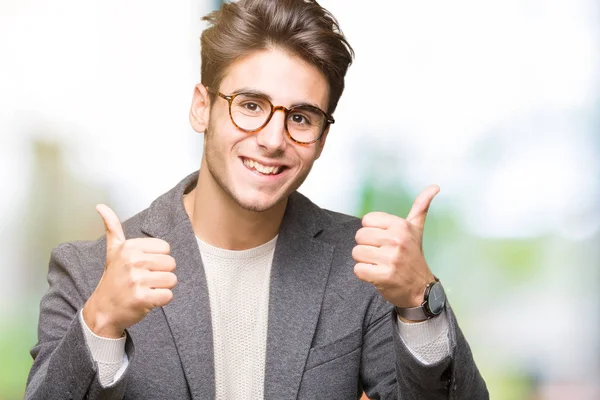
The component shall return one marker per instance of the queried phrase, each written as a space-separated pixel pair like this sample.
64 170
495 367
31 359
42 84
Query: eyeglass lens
250 112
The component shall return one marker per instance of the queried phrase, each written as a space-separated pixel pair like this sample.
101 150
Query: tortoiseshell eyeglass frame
328 118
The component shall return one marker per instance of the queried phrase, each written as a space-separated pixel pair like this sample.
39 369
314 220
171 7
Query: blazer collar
167 212
299 274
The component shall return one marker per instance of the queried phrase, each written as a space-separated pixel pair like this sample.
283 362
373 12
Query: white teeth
263 169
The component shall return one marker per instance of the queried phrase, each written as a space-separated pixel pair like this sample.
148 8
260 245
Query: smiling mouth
262 169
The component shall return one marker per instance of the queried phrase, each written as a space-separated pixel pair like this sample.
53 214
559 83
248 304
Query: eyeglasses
250 112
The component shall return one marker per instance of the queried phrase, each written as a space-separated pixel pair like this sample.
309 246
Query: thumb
112 225
419 209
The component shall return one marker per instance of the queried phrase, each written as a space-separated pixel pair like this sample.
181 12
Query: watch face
436 299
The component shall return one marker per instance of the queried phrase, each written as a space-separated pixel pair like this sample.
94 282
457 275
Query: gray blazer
330 335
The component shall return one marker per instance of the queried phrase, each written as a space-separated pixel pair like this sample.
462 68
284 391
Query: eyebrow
255 92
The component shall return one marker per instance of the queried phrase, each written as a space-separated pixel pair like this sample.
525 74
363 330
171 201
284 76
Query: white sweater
238 288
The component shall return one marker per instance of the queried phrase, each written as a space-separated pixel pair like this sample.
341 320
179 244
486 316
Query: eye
251 106
300 119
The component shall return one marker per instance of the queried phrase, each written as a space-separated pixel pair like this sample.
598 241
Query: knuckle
138 298
387 276
394 240
403 245
135 279
129 282
127 258
397 237
401 224
398 255
128 245
391 258
138 263
130 258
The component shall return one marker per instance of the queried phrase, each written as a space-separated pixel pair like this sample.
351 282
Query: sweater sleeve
63 366
108 353
428 340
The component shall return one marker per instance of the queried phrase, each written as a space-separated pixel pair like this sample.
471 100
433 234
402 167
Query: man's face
231 155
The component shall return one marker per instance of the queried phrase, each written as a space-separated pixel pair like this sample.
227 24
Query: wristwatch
434 302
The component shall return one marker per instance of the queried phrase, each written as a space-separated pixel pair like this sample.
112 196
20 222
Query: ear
200 110
321 143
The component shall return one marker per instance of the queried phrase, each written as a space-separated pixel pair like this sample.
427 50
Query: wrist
433 303
99 323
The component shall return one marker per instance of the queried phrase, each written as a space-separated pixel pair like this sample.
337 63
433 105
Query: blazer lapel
298 279
188 314
299 274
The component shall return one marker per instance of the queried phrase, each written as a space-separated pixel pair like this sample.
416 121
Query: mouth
255 166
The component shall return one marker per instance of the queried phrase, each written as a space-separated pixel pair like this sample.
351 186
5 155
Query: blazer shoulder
89 256
341 227
342 219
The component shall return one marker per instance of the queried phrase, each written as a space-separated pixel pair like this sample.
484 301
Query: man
234 286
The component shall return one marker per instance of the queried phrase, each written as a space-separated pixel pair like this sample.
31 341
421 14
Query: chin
257 203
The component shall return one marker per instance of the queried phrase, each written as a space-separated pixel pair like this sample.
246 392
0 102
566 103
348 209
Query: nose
272 137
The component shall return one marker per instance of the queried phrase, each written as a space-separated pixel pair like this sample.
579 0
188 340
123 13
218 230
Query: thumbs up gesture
138 276
389 253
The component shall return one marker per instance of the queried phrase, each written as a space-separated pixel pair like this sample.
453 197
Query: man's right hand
138 276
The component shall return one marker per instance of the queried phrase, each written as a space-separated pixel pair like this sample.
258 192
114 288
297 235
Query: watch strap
412 313
419 313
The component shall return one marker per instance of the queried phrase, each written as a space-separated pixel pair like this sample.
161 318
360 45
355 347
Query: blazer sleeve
63 367
390 371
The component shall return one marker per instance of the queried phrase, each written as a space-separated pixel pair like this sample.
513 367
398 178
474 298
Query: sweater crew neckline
254 252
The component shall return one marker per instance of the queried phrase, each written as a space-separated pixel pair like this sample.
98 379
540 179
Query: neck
221 222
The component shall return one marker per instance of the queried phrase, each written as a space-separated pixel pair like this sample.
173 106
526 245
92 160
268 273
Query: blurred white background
497 102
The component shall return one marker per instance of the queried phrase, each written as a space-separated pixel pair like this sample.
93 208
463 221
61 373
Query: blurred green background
497 102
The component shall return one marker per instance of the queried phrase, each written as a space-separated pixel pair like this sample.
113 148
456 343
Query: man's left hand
389 253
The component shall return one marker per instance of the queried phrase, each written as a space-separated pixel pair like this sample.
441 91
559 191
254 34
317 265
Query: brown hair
301 27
